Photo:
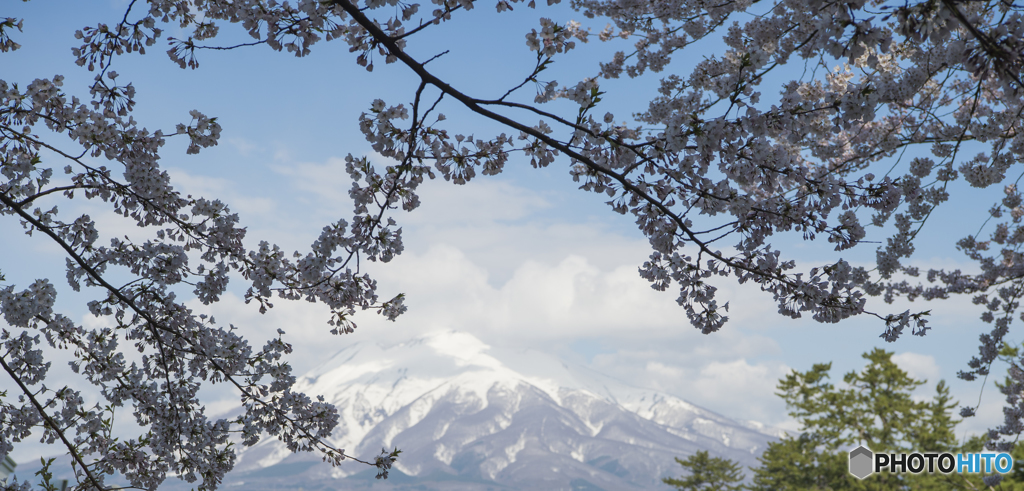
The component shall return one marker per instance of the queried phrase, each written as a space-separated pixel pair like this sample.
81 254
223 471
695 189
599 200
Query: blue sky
520 260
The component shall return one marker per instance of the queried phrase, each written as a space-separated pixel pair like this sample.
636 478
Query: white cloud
663 370
565 300
482 202
918 366
722 382
327 182
226 190
509 265
738 384
243 146
546 307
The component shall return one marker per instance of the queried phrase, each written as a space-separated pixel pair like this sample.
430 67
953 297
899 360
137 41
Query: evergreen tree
729 153
875 409
708 474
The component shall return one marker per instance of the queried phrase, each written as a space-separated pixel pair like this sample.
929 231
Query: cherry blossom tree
874 132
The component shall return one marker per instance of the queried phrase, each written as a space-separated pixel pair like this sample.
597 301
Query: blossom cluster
196 243
712 169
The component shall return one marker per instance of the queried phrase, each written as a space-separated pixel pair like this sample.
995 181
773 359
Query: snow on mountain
468 416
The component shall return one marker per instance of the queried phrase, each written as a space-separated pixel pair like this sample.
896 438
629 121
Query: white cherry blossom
711 169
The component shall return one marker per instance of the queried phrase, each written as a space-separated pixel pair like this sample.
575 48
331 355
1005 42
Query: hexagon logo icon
861 462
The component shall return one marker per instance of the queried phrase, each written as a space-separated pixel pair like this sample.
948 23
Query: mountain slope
470 417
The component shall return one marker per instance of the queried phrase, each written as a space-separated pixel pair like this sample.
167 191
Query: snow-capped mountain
471 417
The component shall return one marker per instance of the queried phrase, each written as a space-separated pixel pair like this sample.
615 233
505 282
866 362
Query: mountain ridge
472 417
461 415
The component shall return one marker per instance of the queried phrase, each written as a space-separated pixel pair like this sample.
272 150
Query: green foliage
1013 480
875 408
708 474
46 483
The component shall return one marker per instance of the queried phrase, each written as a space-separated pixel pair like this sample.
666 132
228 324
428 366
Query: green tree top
708 474
875 409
